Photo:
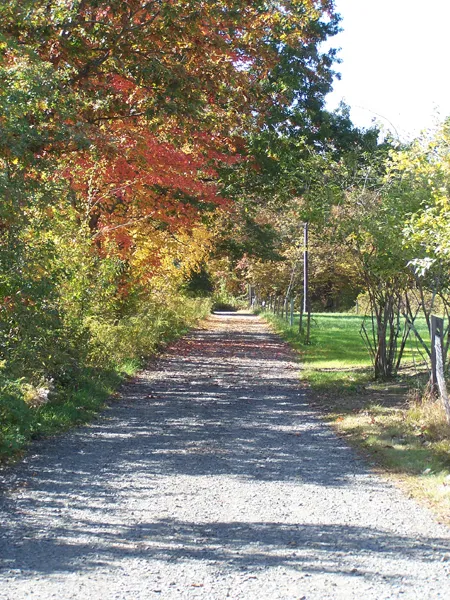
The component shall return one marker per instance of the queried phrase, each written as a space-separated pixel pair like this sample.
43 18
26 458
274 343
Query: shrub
15 417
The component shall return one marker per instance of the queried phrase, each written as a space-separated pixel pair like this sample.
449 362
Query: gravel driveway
212 478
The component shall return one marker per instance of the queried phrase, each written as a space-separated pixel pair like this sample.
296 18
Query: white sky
395 63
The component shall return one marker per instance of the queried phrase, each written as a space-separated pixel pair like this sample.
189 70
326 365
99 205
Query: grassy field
400 430
337 355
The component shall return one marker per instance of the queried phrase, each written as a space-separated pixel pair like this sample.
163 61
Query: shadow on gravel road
224 405
239 545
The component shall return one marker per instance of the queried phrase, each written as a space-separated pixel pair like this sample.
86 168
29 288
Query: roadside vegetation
31 411
396 422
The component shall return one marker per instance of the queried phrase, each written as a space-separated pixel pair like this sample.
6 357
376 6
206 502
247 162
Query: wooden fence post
300 319
434 324
305 270
437 362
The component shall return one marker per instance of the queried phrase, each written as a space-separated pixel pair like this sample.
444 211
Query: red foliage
139 178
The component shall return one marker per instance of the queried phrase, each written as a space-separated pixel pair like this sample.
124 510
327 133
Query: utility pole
306 309
305 268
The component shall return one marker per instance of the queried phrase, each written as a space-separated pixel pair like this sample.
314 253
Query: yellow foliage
167 258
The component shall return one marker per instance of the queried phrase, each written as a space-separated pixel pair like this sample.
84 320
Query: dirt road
212 478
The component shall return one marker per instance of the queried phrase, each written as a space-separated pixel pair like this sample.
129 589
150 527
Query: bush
224 300
82 384
138 337
15 417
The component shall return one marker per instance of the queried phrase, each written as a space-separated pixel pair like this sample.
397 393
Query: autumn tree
118 121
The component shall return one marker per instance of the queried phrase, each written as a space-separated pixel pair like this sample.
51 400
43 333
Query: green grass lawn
337 355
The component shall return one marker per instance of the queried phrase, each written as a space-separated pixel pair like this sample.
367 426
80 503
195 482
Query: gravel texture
212 478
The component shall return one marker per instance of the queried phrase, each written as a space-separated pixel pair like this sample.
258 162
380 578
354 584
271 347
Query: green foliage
114 350
79 403
139 336
421 174
15 417
200 283
222 299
